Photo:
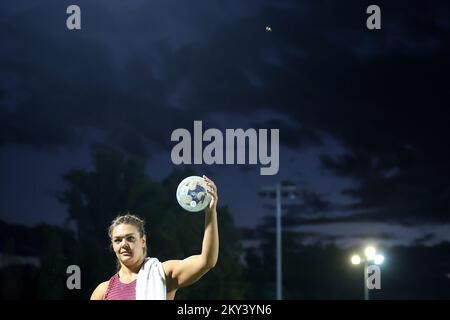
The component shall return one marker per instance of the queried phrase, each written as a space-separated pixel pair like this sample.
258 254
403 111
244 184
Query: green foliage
35 262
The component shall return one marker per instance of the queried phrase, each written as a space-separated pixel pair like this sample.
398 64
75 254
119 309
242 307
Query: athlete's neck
129 273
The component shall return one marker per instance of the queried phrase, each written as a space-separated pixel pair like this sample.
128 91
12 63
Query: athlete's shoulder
100 292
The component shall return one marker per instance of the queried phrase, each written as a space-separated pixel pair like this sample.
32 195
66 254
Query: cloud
136 72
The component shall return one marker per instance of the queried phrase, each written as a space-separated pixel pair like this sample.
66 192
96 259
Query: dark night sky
363 115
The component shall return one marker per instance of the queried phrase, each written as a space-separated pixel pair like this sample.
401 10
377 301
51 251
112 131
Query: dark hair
132 220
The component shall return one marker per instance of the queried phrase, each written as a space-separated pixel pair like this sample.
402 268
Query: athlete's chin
125 257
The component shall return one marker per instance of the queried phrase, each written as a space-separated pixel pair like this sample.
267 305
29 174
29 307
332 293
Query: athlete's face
127 243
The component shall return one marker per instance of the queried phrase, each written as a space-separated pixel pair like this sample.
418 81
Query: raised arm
181 273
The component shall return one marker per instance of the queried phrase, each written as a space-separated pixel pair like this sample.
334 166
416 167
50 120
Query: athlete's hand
212 190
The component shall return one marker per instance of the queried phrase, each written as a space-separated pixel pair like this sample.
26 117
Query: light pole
371 256
278 190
